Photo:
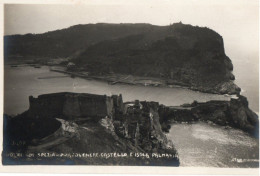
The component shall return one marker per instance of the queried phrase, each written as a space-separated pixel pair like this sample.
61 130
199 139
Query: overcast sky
236 20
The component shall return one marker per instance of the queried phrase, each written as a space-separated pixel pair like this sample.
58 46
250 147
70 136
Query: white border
107 169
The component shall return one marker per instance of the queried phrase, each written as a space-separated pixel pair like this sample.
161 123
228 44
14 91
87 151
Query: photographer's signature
239 160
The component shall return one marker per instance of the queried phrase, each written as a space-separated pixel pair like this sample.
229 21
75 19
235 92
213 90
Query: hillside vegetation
192 56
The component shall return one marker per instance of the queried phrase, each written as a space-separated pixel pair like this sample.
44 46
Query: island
176 55
68 128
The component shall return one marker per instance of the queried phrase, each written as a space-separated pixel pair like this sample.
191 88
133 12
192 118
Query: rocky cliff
90 124
103 124
180 54
235 113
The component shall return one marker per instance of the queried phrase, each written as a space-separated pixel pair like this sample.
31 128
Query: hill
179 53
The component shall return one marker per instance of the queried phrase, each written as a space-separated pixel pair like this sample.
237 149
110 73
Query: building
68 105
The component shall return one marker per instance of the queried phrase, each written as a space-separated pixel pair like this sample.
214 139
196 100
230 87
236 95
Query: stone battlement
72 105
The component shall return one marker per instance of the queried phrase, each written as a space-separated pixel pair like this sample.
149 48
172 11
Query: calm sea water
209 145
247 77
198 144
23 81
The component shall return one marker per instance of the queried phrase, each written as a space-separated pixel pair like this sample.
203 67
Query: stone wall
48 105
140 124
119 108
71 105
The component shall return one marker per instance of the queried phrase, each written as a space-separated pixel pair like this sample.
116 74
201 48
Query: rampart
72 105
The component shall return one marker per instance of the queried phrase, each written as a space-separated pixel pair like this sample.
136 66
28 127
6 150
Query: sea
199 144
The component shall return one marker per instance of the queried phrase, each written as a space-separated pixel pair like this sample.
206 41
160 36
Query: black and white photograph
170 84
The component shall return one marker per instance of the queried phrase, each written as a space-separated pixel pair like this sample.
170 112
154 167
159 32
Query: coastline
171 108
130 79
230 89
140 125
223 88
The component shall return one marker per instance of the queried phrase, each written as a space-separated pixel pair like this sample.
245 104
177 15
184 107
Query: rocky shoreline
175 55
77 122
80 128
88 124
229 87
234 113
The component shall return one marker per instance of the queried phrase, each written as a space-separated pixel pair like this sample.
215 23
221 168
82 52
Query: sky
237 21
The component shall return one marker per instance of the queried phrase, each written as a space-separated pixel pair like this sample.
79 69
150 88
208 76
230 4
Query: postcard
169 87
